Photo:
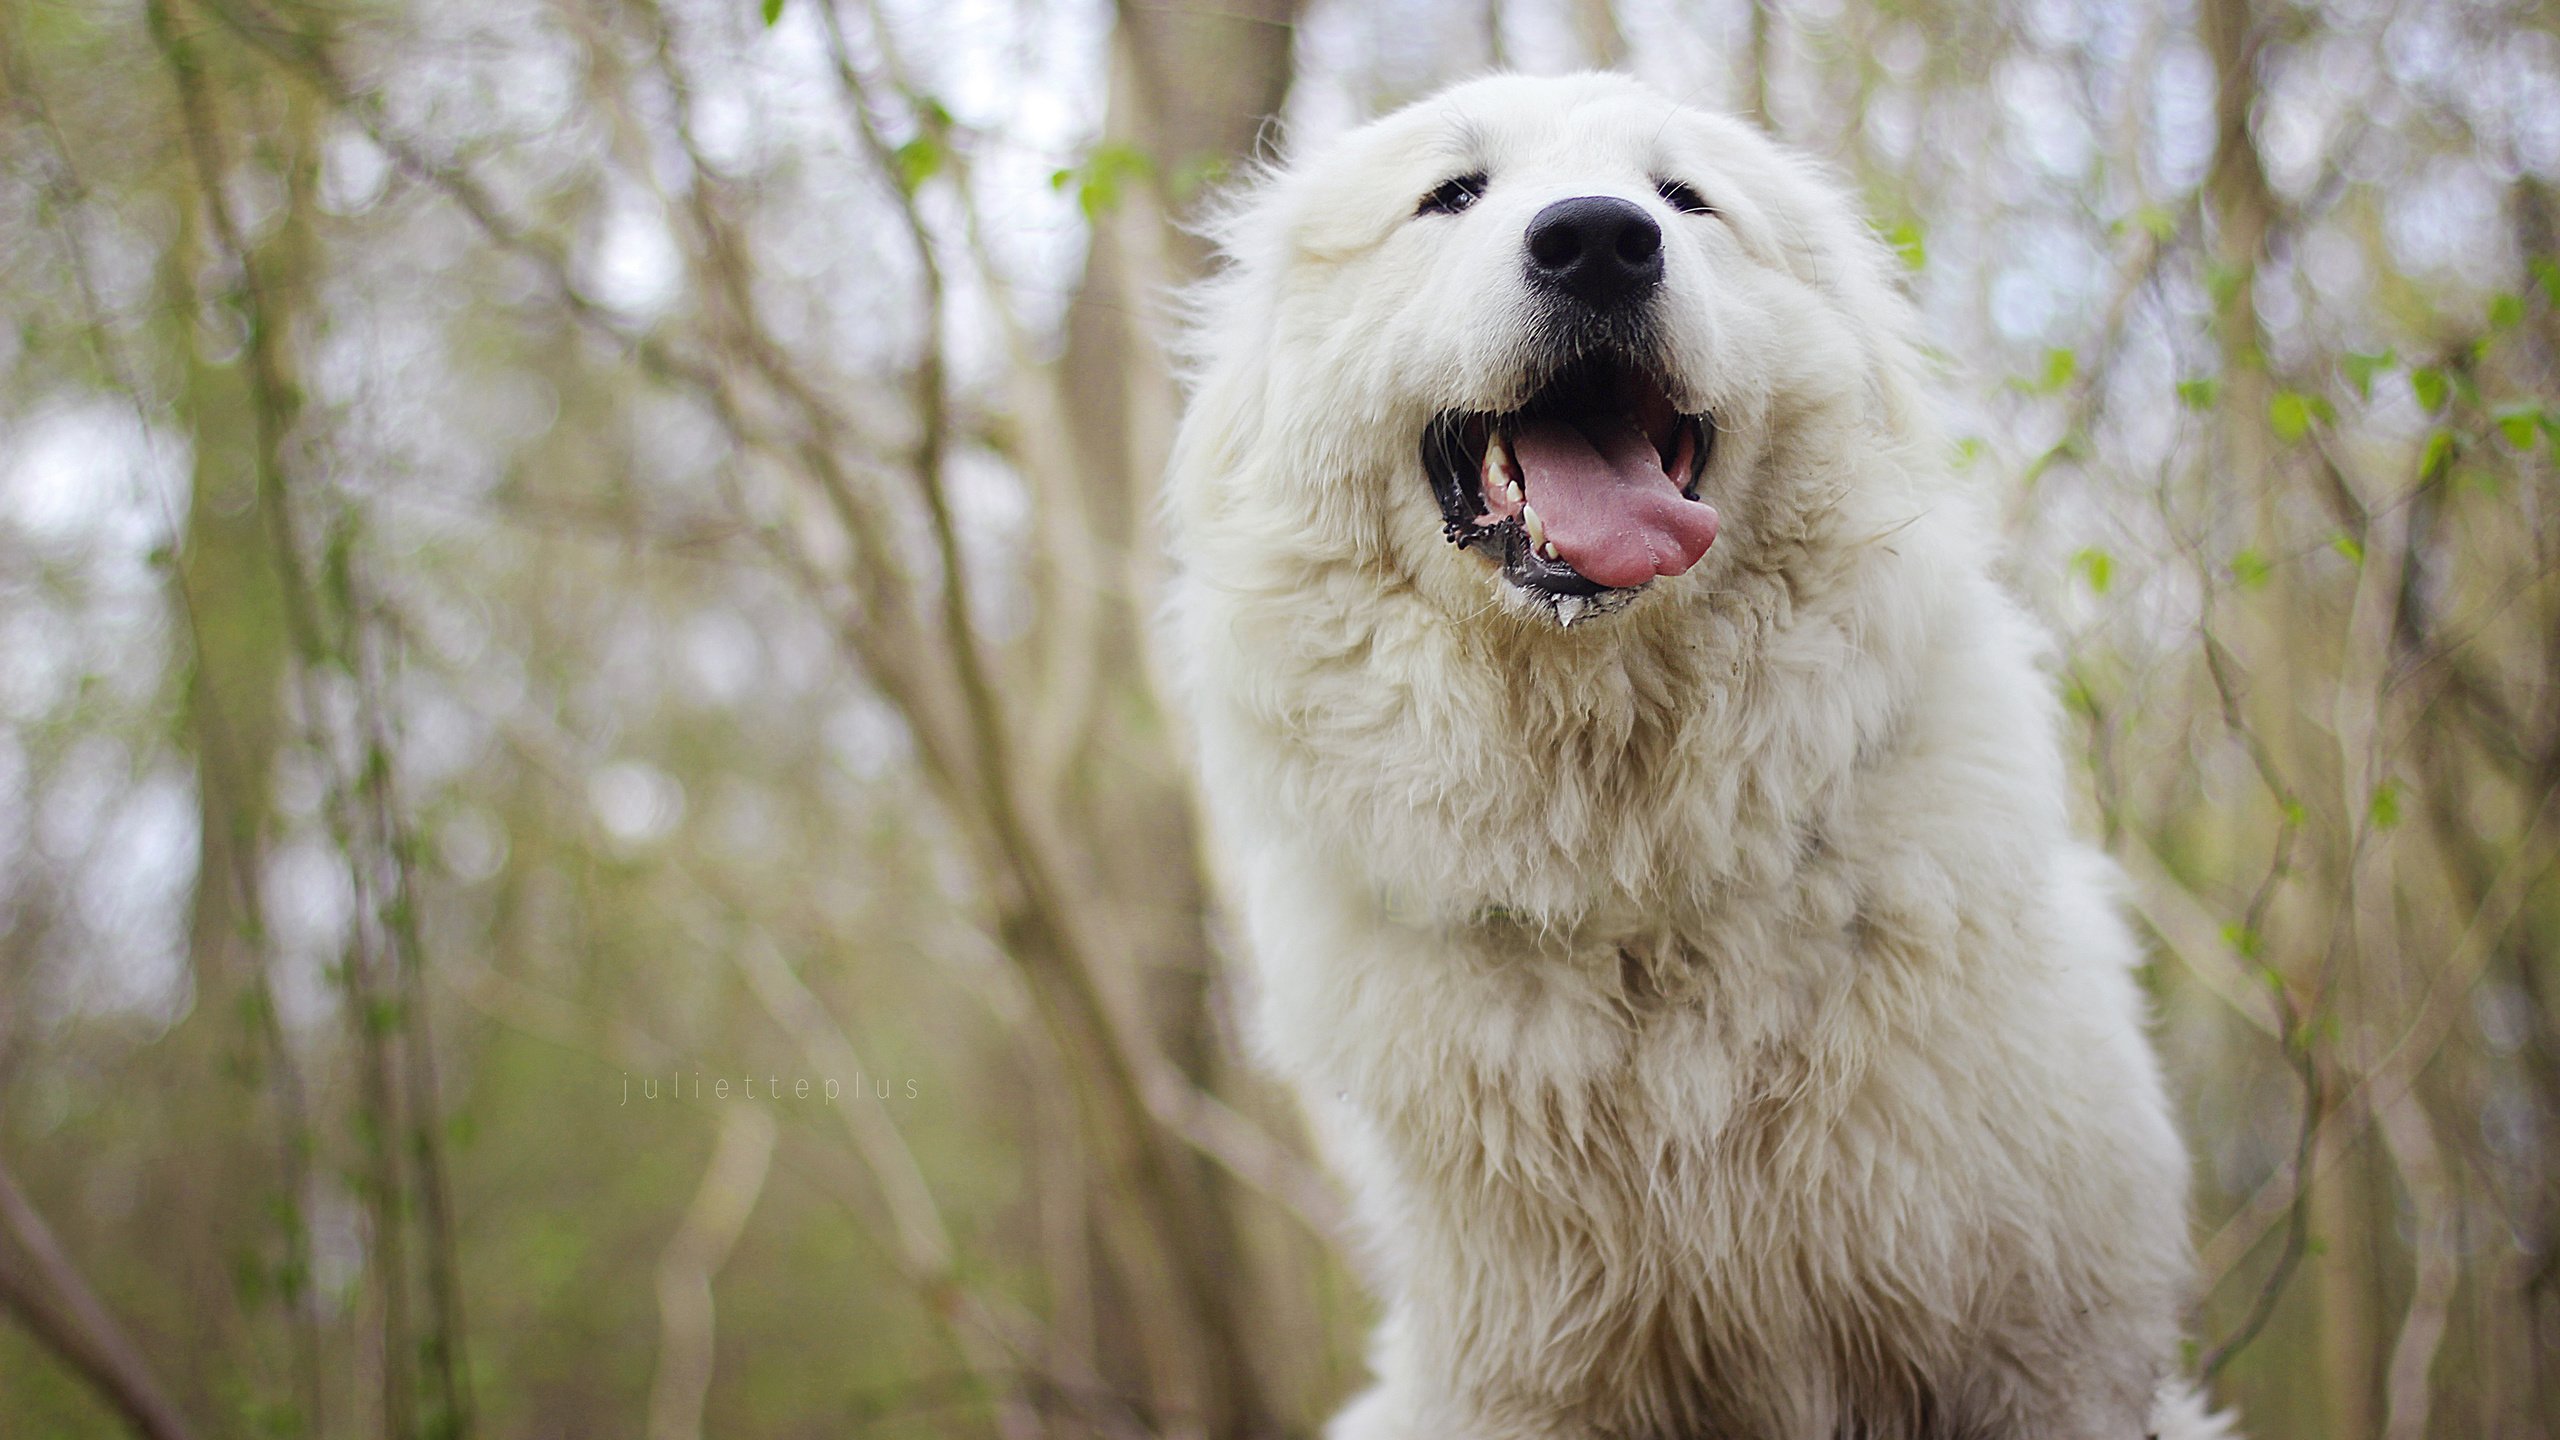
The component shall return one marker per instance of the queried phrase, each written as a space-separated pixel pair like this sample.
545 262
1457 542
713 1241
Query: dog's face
1524 341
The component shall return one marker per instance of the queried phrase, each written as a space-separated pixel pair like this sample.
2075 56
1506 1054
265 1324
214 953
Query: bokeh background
559 555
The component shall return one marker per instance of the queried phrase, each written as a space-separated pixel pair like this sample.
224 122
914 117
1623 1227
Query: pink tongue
1605 504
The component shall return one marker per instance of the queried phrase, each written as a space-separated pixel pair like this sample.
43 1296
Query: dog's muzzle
1586 493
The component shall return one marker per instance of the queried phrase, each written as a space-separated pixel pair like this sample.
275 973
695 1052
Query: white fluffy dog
1646 811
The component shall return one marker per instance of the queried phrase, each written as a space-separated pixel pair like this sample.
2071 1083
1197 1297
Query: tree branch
59 1308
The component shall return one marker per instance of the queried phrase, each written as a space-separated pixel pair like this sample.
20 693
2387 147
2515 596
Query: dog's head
1556 343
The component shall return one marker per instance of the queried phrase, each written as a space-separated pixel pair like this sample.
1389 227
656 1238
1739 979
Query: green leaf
1102 180
2245 940
2384 809
2438 454
2518 423
2222 282
2159 220
772 12
2199 394
2097 567
918 160
1198 174
2506 312
2360 370
2078 698
2546 271
1909 243
2289 414
1970 450
2250 568
2349 546
2429 385
2059 366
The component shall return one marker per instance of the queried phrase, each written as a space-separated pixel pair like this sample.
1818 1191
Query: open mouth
1587 493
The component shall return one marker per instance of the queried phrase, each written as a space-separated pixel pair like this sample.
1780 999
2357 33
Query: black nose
1602 250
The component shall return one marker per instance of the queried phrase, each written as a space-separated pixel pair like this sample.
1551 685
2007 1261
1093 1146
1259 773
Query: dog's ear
1867 277
1801 215
1220 347
1342 196
1362 201
1222 427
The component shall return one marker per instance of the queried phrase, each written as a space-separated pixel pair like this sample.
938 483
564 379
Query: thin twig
740 1160
219 761
59 1308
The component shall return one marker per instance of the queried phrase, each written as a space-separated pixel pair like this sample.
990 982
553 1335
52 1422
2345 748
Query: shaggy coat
1707 1002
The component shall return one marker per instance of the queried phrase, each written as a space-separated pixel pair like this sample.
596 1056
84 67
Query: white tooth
1497 463
1513 490
1568 610
1549 550
1537 530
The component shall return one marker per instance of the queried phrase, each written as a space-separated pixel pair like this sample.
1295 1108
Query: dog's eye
1453 195
1680 197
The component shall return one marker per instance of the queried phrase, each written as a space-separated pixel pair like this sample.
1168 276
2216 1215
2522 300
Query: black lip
1530 570
1452 458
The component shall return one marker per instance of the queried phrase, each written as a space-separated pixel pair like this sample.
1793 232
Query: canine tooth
1537 531
1514 493
1497 460
1549 550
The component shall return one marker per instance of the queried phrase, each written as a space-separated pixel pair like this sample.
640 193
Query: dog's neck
1626 765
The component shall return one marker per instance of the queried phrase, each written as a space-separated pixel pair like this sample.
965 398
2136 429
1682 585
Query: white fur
1714 1016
